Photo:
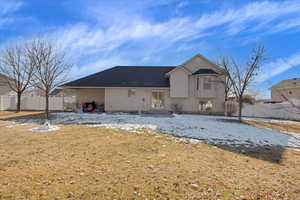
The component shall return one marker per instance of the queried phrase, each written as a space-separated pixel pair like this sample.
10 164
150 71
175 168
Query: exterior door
205 106
157 99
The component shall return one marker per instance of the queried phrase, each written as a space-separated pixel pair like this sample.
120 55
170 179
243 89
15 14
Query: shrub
176 108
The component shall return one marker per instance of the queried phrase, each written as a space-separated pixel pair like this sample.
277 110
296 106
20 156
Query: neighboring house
58 92
286 90
4 87
196 86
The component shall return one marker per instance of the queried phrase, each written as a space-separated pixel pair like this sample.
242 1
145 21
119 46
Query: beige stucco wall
4 87
179 86
216 94
88 95
289 83
289 93
289 88
117 99
5 91
179 83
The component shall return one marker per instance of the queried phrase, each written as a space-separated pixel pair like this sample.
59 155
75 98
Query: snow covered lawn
210 129
82 162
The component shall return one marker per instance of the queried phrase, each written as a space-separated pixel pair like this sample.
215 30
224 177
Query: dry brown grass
279 126
8 114
80 162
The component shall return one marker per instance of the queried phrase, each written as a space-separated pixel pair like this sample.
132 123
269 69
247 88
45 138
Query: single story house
286 90
196 86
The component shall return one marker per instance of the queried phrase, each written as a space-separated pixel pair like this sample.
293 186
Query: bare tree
51 66
18 71
241 77
225 63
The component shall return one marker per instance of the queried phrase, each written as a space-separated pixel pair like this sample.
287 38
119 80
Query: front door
205 106
157 99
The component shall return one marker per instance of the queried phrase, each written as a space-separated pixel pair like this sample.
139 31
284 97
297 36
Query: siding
88 95
4 87
179 84
117 99
289 93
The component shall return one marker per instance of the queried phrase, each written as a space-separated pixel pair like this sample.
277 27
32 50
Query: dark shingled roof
126 76
205 71
55 92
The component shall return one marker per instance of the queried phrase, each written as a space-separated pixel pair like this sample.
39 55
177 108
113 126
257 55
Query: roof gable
200 62
178 68
196 63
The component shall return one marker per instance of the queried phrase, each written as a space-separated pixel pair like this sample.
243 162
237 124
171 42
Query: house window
197 83
131 92
290 92
207 83
157 99
205 106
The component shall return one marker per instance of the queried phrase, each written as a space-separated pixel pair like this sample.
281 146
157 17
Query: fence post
1 103
63 102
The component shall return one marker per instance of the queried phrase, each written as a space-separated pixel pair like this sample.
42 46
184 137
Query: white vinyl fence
283 110
36 103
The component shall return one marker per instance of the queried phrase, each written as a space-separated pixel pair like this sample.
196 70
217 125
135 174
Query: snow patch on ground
14 124
210 129
127 127
45 129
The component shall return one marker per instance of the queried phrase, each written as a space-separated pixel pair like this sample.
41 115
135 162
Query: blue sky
99 33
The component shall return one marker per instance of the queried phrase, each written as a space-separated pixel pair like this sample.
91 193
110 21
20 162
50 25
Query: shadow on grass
27 118
268 153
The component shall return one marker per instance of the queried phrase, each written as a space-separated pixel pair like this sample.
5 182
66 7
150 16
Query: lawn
285 126
84 162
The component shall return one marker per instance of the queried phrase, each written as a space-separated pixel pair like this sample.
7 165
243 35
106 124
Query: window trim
159 97
131 92
203 105
207 82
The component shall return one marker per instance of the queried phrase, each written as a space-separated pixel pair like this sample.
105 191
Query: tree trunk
19 101
47 105
240 108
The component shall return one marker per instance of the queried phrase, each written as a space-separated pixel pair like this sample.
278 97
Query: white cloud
117 33
278 66
262 14
82 39
292 24
98 65
6 9
116 11
182 4
118 26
